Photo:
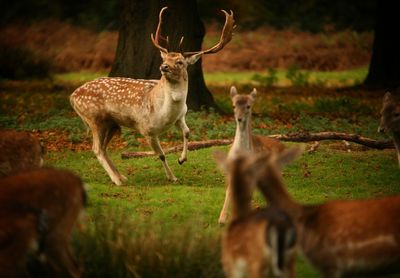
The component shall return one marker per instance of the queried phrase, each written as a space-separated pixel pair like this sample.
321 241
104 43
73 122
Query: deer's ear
194 58
163 55
253 94
387 97
233 91
287 156
222 161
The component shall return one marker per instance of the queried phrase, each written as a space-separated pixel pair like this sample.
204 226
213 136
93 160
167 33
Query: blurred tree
384 69
136 57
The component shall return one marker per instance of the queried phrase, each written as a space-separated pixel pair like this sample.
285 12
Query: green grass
327 79
158 219
78 77
333 79
151 227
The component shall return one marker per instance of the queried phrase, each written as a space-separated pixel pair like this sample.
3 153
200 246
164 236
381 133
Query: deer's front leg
181 123
155 145
224 211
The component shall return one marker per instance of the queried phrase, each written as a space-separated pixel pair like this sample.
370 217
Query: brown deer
31 200
244 139
19 151
390 119
149 106
257 242
340 238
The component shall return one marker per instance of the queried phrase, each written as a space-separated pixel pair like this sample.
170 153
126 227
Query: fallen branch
290 137
355 138
194 145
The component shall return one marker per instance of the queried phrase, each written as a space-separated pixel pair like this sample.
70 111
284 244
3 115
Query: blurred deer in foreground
390 119
244 139
19 151
40 208
340 238
149 106
256 242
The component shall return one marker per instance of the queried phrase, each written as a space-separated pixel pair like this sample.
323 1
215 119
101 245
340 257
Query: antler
226 36
155 39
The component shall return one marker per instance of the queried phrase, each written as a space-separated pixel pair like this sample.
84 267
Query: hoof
181 161
117 182
173 179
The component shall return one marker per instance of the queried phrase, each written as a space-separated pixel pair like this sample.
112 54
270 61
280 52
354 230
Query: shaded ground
70 48
43 107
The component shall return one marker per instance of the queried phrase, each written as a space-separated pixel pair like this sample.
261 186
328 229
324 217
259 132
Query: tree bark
384 69
136 57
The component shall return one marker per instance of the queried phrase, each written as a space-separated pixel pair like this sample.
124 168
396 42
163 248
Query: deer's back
19 151
122 99
59 192
263 143
356 236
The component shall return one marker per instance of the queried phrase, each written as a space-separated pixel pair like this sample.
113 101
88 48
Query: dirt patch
72 48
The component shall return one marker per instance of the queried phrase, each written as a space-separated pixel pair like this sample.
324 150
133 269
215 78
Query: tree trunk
384 69
136 56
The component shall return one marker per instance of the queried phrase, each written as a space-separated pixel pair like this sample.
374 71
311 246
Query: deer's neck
242 140
170 93
241 195
274 191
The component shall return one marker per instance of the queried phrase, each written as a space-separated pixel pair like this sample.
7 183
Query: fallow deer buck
43 206
340 238
149 106
244 139
19 151
390 119
257 242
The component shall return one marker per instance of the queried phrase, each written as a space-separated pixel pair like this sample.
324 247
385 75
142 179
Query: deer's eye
233 106
179 63
248 106
397 114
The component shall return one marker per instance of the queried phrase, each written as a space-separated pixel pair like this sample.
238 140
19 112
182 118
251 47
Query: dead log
289 137
319 136
194 145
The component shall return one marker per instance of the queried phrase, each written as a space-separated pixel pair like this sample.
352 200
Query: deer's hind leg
103 131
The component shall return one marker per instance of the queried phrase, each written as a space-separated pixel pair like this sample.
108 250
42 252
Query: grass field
151 227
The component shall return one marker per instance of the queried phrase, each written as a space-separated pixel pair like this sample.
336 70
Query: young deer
34 199
19 151
256 242
149 106
340 238
244 139
390 119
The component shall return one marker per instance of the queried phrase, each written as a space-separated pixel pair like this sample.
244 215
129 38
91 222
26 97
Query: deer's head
390 114
261 169
242 106
174 66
